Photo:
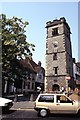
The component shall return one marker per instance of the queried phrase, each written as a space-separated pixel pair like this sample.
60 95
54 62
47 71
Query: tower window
55 56
55 31
55 70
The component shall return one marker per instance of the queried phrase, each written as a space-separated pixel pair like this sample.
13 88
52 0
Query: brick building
59 62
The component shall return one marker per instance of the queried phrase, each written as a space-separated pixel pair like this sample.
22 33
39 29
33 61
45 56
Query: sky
37 14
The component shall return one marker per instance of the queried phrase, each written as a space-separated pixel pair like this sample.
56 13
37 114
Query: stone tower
59 62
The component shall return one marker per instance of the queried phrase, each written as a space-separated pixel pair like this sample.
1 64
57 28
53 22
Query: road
23 110
32 114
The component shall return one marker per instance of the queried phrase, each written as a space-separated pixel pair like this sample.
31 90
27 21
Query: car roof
4 100
52 94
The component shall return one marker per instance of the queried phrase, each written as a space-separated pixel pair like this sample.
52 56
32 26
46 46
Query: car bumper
36 108
8 106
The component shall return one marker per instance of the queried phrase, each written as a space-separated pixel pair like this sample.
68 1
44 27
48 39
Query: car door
64 105
47 101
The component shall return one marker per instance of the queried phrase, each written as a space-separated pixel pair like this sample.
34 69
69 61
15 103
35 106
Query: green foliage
14 45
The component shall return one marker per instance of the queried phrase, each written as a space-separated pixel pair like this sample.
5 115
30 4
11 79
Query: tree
14 44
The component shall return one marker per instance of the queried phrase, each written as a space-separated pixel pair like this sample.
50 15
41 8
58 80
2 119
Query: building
24 81
76 70
34 76
39 82
59 62
28 81
78 74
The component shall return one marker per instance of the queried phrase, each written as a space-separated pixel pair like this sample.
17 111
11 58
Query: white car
6 104
56 103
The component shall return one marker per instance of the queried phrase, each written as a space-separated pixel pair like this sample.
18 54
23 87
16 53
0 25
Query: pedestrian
63 89
31 97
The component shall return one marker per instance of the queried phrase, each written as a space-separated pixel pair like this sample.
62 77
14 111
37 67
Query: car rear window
46 98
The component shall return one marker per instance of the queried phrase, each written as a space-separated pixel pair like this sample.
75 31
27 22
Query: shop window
32 85
28 85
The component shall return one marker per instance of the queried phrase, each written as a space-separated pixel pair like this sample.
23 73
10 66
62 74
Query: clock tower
59 62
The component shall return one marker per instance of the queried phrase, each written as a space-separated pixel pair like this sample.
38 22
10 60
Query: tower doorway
55 87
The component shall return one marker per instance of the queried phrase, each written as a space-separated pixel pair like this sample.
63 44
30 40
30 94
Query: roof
27 63
52 94
31 65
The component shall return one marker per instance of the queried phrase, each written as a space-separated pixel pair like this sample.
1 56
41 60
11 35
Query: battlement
56 22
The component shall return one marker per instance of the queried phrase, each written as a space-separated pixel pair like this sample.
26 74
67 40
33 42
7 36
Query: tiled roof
31 65
27 63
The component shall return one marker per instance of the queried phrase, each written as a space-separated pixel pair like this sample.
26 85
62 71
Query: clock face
55 44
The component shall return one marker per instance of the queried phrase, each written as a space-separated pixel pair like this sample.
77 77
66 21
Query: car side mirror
72 102
58 101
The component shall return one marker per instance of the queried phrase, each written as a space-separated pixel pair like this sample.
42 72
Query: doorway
55 87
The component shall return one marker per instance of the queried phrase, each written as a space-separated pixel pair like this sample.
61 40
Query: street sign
67 77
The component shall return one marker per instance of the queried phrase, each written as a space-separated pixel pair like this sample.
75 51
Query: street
32 114
24 109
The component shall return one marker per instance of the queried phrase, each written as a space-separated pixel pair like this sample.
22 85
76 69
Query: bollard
31 97
15 98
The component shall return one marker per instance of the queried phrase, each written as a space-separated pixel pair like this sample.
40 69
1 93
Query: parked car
6 104
55 103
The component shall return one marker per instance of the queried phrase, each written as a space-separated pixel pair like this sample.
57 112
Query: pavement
28 102
21 102
23 105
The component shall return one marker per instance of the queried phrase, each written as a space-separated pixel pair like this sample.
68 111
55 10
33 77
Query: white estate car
56 103
6 104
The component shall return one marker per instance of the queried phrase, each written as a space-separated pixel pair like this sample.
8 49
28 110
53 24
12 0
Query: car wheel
43 112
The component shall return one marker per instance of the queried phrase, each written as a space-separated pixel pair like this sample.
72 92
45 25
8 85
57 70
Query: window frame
61 100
